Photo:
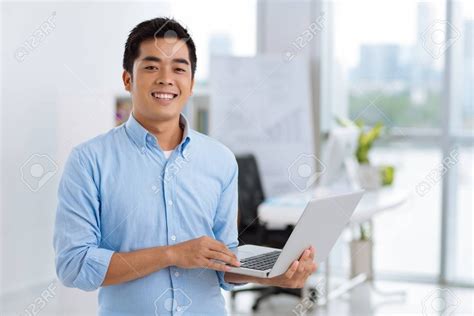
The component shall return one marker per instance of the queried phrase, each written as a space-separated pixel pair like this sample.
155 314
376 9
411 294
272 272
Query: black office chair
251 230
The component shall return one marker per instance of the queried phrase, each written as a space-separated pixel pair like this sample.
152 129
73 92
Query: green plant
366 137
388 173
365 231
366 140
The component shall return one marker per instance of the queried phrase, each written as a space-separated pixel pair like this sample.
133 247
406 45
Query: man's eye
151 68
180 69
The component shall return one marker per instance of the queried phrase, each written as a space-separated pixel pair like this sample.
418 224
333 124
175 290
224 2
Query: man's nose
164 81
164 78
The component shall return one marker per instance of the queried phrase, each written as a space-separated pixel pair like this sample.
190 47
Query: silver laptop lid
321 224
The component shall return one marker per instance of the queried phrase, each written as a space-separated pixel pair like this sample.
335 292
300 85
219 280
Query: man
146 209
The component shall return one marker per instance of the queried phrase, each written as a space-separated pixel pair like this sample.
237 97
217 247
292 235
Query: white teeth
166 96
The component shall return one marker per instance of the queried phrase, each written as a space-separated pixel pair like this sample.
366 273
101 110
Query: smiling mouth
164 96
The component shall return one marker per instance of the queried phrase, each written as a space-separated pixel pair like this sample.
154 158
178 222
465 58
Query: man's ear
192 86
127 80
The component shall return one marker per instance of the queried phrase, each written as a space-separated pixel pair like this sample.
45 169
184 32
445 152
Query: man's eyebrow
151 58
181 61
174 60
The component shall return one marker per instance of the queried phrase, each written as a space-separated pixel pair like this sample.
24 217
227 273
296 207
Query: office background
406 64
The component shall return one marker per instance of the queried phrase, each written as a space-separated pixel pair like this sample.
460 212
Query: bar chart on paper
262 105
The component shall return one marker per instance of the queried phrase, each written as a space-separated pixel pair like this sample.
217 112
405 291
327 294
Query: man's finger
309 267
304 266
312 253
219 246
291 271
304 255
217 266
301 267
211 254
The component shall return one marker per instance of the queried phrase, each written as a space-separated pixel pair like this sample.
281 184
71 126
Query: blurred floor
421 299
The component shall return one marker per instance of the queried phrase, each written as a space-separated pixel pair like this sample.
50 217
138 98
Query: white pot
361 257
370 177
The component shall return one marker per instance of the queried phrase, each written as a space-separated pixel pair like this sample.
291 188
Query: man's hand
297 273
294 277
201 253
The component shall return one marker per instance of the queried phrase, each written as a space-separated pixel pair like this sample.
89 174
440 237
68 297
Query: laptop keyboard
261 262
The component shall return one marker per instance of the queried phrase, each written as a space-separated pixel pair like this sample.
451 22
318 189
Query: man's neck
168 133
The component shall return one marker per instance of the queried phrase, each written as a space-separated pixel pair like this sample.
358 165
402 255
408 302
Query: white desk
285 210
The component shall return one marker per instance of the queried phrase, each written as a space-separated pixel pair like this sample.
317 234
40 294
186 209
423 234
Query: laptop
320 225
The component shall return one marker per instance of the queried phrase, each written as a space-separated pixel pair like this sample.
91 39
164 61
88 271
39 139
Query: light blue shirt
119 193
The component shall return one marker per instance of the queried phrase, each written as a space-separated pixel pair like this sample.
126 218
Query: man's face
162 80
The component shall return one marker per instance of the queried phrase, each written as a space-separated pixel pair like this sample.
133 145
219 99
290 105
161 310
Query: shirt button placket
168 183
169 204
171 216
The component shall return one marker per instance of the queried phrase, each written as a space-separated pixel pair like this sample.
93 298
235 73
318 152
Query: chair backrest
250 190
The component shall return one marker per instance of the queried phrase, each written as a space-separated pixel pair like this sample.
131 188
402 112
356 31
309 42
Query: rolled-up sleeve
80 262
225 222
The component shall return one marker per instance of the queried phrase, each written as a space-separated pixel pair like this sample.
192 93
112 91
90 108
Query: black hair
156 28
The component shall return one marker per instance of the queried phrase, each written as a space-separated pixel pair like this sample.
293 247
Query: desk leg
353 282
327 275
342 289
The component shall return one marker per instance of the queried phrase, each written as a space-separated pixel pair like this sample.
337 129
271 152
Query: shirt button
170 203
173 237
178 309
176 274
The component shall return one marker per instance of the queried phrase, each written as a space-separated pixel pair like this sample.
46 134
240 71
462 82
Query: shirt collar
139 134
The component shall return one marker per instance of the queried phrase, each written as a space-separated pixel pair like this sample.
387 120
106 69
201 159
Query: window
385 62
459 245
462 270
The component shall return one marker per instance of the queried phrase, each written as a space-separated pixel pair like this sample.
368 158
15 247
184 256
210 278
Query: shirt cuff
94 269
223 284
226 285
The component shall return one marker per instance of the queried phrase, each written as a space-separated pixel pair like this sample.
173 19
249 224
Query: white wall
61 94
1 153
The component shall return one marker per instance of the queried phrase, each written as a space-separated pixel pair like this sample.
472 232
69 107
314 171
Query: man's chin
164 116
156 113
